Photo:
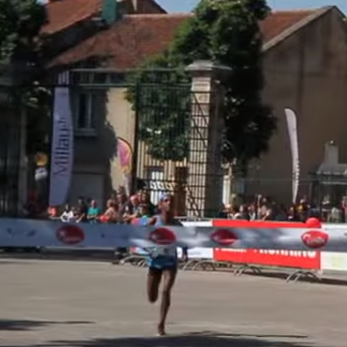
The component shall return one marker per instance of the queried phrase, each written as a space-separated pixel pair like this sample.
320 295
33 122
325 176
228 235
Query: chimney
331 153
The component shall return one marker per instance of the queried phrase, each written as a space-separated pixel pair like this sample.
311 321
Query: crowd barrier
308 248
307 264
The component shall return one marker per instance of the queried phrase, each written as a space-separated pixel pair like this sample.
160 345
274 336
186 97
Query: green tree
228 32
161 101
20 25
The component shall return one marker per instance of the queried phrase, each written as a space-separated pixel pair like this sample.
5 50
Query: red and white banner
295 259
238 235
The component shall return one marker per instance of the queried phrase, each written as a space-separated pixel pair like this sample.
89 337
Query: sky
187 5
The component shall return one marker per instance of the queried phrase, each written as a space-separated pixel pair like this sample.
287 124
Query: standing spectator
93 212
244 214
222 212
68 216
235 213
334 215
52 212
134 205
133 209
145 199
269 214
252 212
122 201
292 215
82 211
110 215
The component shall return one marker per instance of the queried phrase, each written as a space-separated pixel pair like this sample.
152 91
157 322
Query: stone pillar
205 179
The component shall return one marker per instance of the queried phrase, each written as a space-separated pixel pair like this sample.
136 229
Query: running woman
163 262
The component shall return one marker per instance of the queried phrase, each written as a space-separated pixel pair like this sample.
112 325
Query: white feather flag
294 147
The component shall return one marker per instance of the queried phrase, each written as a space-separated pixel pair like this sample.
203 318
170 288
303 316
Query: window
90 108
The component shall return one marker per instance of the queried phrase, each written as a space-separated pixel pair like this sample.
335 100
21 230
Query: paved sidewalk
80 304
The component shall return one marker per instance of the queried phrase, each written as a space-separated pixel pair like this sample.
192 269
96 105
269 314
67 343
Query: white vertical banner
294 147
62 143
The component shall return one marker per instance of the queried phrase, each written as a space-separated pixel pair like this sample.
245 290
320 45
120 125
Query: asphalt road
90 304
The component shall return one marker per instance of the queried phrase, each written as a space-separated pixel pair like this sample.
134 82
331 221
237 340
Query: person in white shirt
68 216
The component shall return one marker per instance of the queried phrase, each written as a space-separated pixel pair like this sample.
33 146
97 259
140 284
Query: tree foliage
161 100
20 25
227 32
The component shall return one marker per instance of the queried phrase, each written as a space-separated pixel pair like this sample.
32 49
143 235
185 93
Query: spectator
145 199
52 212
236 213
222 212
68 216
82 211
252 212
93 212
244 214
143 211
269 214
292 214
110 215
122 201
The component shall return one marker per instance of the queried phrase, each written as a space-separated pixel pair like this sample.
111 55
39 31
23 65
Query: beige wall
122 119
307 73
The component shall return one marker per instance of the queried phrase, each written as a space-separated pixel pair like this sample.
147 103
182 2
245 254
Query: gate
171 145
10 143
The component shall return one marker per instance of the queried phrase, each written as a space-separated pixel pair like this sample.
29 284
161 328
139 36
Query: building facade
304 64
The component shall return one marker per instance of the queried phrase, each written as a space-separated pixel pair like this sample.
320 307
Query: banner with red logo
285 236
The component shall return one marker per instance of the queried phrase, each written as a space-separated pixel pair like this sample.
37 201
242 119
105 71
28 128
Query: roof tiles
135 37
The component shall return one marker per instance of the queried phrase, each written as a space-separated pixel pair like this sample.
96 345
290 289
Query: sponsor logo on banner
70 235
315 239
162 237
297 259
223 237
62 145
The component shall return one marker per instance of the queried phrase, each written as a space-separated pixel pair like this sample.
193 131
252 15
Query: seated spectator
93 212
68 216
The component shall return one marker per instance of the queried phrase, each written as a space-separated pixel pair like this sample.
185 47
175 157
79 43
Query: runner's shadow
195 339
24 325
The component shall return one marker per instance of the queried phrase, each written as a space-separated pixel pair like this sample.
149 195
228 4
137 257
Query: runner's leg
169 281
153 283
